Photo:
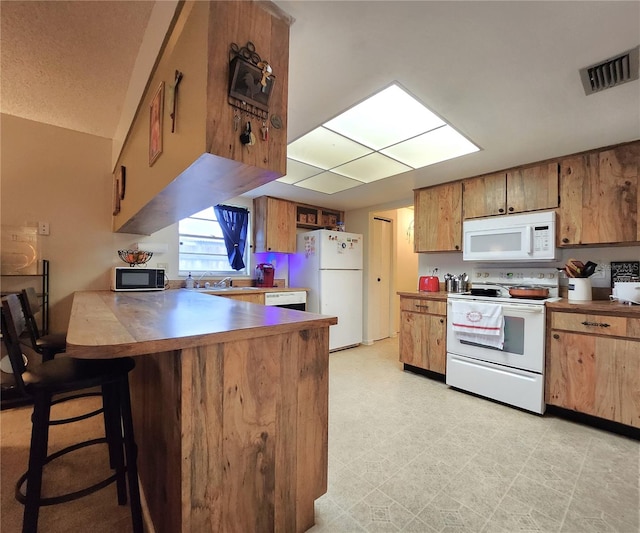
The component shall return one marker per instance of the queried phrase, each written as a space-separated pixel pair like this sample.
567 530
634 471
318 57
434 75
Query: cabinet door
532 188
485 195
438 218
423 341
598 376
274 228
599 197
251 298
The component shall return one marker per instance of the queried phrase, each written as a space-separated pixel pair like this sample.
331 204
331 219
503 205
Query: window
202 247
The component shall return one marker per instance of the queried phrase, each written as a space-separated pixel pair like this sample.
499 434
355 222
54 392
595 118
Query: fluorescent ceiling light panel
371 167
325 149
387 118
328 183
297 171
432 147
385 135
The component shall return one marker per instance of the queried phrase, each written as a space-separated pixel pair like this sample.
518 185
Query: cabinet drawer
423 305
615 326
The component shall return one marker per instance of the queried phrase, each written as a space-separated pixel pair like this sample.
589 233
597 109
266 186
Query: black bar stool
69 375
46 345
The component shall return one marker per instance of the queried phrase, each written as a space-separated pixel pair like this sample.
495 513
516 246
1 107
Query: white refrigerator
329 263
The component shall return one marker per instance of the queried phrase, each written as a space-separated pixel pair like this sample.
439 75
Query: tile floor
406 453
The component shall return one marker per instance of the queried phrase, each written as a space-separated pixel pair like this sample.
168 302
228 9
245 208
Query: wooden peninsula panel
230 403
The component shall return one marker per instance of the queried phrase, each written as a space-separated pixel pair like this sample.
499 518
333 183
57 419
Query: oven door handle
521 308
524 308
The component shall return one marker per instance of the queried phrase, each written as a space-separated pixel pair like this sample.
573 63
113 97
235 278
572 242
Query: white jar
579 289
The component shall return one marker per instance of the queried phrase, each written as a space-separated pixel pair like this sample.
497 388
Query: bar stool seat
42 384
46 345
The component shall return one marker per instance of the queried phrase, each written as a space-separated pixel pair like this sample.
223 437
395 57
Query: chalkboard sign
625 271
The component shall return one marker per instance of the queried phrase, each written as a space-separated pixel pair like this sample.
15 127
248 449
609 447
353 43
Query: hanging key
265 131
236 120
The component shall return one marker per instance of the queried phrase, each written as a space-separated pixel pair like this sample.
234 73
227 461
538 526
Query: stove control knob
541 276
486 274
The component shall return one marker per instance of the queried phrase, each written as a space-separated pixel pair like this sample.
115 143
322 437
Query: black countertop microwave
137 279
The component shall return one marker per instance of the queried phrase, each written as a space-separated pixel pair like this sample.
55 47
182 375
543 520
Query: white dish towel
477 322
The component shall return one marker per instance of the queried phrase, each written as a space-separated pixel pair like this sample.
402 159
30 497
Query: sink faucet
223 283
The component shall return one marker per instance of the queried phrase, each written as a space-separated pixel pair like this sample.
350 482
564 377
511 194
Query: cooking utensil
574 268
528 291
589 269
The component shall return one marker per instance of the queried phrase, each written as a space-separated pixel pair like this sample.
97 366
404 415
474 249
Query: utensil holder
579 289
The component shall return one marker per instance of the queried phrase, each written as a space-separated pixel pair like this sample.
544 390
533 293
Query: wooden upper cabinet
485 195
203 161
514 191
532 188
274 225
438 218
599 197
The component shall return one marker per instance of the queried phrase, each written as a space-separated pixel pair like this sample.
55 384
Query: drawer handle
418 306
599 324
556 336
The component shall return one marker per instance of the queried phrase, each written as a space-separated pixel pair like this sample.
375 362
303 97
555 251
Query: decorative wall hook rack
251 80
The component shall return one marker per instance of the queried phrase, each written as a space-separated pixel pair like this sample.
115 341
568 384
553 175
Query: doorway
380 277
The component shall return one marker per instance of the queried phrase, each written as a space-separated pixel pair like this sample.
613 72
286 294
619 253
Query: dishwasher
288 299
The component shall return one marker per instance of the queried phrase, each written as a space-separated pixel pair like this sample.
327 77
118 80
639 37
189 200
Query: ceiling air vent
610 73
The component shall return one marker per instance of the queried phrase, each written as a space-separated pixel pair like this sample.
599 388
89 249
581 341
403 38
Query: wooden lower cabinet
593 373
423 333
250 297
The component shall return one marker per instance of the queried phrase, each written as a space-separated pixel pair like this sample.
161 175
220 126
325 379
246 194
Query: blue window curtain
234 222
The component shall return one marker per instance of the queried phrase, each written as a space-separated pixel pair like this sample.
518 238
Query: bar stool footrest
63 498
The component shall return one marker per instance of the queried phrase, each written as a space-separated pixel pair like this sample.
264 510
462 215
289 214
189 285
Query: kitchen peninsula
230 404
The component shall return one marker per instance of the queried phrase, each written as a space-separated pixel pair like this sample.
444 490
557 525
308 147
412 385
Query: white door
341 296
380 279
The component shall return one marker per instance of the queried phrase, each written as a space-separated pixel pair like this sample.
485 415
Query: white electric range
513 371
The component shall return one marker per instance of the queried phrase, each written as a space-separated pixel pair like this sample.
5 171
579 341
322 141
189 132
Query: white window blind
202 247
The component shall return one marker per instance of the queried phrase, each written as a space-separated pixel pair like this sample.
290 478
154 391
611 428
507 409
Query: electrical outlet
43 228
601 270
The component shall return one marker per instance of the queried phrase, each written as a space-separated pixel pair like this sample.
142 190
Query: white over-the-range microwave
525 237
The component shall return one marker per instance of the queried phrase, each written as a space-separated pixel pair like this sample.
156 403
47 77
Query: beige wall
62 177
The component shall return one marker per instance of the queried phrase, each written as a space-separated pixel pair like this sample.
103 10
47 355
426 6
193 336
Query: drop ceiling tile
297 171
371 167
328 183
386 118
325 149
432 147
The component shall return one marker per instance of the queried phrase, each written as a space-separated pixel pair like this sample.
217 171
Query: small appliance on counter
626 292
265 273
429 283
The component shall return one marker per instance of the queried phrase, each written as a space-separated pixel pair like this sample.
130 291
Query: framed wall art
116 193
121 174
156 111
246 84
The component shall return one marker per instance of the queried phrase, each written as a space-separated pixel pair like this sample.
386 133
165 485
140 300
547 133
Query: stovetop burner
491 293
493 284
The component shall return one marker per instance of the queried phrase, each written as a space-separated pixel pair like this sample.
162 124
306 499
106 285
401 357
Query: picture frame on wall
245 84
122 181
116 193
156 111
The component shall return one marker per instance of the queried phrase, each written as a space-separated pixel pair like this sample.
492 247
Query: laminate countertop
441 296
607 307
107 324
